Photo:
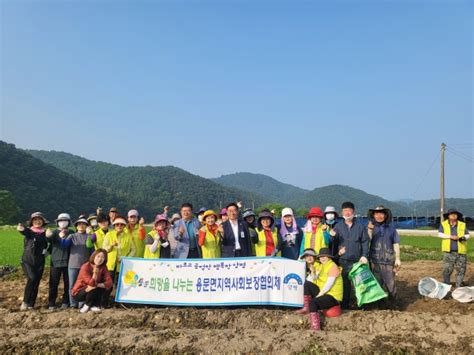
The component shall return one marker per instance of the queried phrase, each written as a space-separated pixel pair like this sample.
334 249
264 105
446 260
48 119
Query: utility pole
441 200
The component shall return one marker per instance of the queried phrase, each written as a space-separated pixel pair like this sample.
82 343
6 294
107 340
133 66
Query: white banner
212 282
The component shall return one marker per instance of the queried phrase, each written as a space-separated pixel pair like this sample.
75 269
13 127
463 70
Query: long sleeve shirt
354 238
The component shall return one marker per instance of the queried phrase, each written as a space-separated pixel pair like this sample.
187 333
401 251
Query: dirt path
425 326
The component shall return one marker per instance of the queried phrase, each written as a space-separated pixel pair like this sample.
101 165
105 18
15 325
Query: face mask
330 216
349 218
63 224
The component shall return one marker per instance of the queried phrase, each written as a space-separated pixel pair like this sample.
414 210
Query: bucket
432 288
333 312
464 294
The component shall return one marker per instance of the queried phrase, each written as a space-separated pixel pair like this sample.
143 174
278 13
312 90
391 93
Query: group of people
88 256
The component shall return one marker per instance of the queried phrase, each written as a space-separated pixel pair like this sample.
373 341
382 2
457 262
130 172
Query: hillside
273 190
147 188
36 186
296 197
431 207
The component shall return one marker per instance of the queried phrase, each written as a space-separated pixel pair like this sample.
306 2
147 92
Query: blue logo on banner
293 276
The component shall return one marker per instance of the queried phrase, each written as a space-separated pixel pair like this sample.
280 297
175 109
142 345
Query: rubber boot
305 309
315 321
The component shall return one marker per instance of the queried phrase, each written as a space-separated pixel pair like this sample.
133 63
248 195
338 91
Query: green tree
9 211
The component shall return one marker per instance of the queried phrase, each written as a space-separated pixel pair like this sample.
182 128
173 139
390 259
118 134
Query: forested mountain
296 197
273 190
147 188
30 185
54 182
431 207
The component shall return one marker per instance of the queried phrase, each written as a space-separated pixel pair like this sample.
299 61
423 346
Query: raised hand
342 250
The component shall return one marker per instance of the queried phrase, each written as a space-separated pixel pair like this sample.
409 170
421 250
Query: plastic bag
464 294
432 288
367 289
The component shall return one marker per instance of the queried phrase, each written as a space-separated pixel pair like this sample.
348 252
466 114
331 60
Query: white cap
133 213
286 212
330 209
63 217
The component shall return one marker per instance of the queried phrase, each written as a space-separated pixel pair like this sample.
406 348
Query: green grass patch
11 247
412 247
426 248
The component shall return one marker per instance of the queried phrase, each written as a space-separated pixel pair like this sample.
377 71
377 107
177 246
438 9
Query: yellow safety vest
337 288
461 231
319 242
137 242
211 247
261 246
100 236
124 248
147 252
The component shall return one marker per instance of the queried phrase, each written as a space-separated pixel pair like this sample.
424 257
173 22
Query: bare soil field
417 325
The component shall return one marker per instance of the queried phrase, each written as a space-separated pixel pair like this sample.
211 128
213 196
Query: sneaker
64 306
23 307
84 309
52 308
30 307
95 309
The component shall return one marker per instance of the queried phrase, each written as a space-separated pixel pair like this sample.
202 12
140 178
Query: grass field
412 248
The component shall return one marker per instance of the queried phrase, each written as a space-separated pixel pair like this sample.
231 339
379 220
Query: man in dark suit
236 236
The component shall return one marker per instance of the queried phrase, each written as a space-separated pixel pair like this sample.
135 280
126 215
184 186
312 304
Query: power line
460 155
426 174
463 154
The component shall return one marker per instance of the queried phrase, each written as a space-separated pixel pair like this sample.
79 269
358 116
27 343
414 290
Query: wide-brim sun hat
266 214
210 213
81 219
159 218
38 215
315 212
453 211
325 252
308 252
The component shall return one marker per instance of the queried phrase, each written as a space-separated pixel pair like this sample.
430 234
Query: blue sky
360 93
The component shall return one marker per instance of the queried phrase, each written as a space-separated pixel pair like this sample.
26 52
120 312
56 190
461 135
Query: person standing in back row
235 237
291 234
454 233
353 241
384 253
59 261
33 258
186 233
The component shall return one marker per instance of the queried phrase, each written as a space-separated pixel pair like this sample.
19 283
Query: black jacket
35 248
59 256
228 240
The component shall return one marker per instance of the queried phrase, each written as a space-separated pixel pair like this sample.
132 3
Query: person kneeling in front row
323 288
93 280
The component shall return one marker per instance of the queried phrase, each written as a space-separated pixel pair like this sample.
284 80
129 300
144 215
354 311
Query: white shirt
235 229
